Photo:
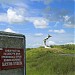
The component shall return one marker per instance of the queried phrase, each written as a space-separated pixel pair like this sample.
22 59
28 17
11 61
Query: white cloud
70 43
51 43
69 22
40 23
58 31
9 30
38 34
13 16
50 30
17 15
66 18
69 25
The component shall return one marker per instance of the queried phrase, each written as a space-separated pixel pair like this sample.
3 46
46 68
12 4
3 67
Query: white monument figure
45 45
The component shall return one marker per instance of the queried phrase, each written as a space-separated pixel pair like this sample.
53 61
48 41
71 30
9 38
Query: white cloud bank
70 43
16 15
40 24
69 25
51 43
58 31
69 21
66 18
38 34
9 30
12 16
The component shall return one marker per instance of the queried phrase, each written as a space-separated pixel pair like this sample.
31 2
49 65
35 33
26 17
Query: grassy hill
58 60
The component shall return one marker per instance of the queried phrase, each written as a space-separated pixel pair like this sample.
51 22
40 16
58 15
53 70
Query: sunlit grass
41 61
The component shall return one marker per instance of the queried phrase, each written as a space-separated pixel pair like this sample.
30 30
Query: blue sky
38 18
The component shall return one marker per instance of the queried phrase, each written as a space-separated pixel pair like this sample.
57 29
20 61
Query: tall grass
67 48
41 61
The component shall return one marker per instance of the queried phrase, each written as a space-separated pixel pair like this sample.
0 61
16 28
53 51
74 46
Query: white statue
46 46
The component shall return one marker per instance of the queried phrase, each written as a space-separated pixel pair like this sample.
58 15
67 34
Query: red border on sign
3 64
0 57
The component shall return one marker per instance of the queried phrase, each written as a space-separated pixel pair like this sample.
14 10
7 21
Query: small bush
41 47
28 49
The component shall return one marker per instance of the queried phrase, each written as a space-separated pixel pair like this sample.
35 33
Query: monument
12 54
45 40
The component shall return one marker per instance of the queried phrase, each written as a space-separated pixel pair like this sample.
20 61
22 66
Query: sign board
0 56
11 58
12 54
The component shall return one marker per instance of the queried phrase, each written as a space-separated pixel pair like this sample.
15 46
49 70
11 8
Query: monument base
47 47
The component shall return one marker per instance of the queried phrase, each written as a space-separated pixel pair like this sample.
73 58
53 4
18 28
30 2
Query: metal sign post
12 54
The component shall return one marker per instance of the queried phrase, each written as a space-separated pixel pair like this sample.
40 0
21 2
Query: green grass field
58 60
